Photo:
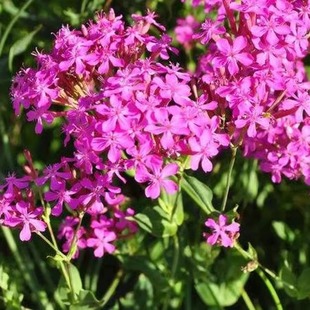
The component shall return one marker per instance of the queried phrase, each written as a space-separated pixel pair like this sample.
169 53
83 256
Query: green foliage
156 221
21 46
167 265
162 220
11 298
199 192
225 286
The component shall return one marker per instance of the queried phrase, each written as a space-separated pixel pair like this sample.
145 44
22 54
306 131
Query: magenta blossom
157 177
27 218
101 242
230 55
185 31
222 233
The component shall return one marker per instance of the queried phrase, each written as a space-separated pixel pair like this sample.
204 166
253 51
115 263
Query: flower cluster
90 199
18 207
128 110
125 108
253 68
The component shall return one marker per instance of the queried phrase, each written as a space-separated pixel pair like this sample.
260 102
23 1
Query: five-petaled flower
27 218
222 233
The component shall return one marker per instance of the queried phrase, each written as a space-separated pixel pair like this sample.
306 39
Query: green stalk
5 142
246 255
46 275
247 300
74 239
109 293
64 263
271 290
95 276
42 266
30 277
174 267
83 6
188 295
65 267
11 24
176 256
51 245
230 169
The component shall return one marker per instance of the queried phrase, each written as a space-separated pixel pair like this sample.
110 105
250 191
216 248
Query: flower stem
261 272
231 165
65 266
50 244
62 264
271 289
11 24
112 288
174 267
247 300
26 271
72 249
247 255
230 16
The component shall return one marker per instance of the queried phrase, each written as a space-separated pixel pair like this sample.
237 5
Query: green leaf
173 206
76 281
224 295
143 265
283 231
225 286
4 279
252 251
199 192
9 27
156 221
303 284
202 257
156 250
21 45
63 291
289 281
178 215
87 301
142 297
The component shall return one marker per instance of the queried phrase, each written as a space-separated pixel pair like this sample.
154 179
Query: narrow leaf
156 221
21 45
199 192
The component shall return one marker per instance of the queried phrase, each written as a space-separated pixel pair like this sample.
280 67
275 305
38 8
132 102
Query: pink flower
27 218
13 184
171 88
167 127
67 231
209 29
222 234
271 28
61 195
203 148
231 54
101 242
185 31
157 178
161 46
